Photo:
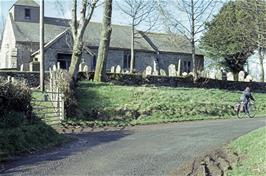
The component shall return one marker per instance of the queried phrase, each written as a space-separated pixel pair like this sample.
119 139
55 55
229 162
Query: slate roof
120 38
31 3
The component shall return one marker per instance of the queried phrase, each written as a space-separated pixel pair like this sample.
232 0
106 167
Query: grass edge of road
251 149
245 155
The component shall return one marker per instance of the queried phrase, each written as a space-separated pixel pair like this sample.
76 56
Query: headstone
58 65
191 73
148 70
212 74
21 67
81 67
218 75
162 72
172 70
241 76
184 74
178 72
249 78
155 73
54 67
230 76
118 69
85 69
112 69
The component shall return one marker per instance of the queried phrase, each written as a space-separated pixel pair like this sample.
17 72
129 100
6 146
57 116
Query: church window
126 61
27 14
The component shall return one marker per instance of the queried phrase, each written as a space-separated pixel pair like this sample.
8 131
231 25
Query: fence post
62 107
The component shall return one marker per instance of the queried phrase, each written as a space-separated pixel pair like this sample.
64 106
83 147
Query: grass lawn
108 104
252 151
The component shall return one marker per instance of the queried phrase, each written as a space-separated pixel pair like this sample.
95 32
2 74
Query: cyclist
245 98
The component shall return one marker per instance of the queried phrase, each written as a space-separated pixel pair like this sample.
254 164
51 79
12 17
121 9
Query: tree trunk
75 59
100 70
194 63
261 57
132 48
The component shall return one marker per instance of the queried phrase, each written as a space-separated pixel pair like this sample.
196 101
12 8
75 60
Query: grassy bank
252 151
21 137
107 104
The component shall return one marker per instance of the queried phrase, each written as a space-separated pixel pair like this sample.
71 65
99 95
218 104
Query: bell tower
25 11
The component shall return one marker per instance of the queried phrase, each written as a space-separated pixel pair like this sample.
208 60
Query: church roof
31 3
120 38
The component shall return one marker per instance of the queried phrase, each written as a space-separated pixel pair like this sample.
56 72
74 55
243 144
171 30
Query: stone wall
32 78
138 80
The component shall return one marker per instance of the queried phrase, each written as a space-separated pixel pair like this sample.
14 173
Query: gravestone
218 75
21 67
118 69
86 69
241 76
212 74
248 78
112 69
191 73
58 65
148 70
178 72
184 74
230 76
54 67
162 72
172 70
155 72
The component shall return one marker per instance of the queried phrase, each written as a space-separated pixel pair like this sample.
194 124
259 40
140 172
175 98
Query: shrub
15 97
63 81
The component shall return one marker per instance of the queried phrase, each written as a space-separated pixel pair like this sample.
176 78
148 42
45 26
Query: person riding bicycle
245 98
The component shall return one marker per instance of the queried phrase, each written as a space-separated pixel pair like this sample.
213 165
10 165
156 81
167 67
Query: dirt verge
215 163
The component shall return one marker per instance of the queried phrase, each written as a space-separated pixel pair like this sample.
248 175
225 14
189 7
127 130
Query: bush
63 82
15 97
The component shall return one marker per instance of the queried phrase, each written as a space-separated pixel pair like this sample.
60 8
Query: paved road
142 150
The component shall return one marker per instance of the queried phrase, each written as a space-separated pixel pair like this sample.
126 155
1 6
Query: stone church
20 44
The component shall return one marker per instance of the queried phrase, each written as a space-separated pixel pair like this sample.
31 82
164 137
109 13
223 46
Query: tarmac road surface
141 150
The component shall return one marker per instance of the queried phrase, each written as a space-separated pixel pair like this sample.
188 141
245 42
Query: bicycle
239 108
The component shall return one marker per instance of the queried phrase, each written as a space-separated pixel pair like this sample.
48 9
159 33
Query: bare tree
140 12
187 17
104 42
78 28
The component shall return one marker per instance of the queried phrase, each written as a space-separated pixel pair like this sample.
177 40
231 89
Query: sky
51 10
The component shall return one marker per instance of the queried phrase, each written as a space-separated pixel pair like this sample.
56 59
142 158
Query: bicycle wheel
252 110
240 112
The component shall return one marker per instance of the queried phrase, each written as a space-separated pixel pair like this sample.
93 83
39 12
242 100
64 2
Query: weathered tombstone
248 78
178 72
21 67
218 75
191 73
112 69
241 76
148 70
155 73
8 78
80 67
230 76
85 69
12 79
54 67
172 70
212 74
184 74
118 69
58 65
162 72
